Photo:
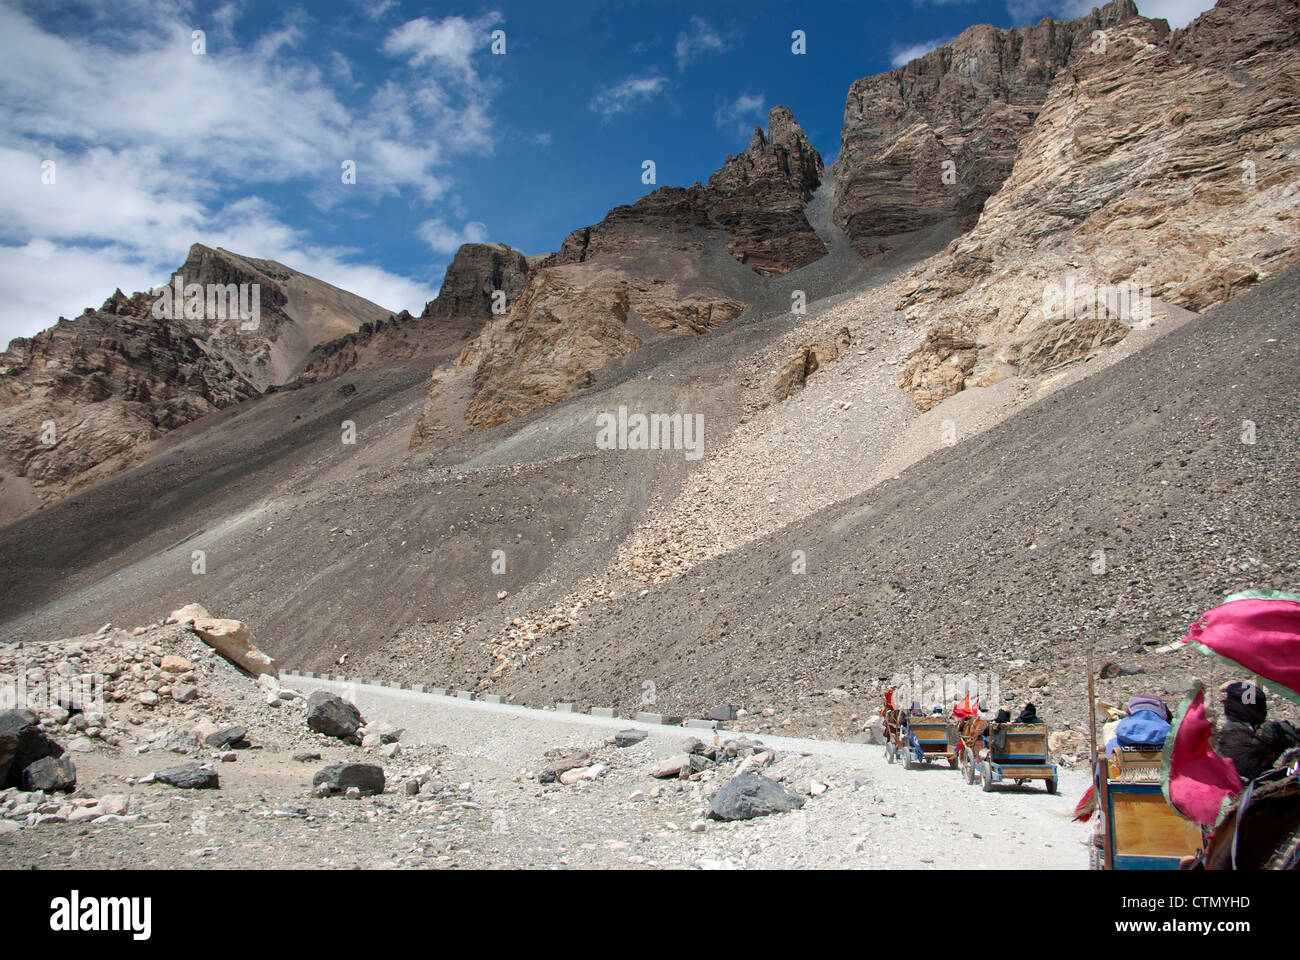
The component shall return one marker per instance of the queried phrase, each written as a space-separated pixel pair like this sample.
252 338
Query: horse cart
1004 752
1138 830
936 736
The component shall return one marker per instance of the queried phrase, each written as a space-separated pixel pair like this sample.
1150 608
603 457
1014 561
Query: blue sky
156 146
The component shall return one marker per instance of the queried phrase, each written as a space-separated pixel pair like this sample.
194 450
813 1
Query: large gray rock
750 795
340 777
8 750
189 776
30 744
332 716
51 775
232 737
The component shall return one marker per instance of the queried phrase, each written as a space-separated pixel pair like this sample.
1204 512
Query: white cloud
1179 13
697 40
40 274
623 96
900 55
448 43
444 239
375 9
740 115
156 147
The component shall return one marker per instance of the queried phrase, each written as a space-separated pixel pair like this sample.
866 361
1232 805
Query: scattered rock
750 795
174 664
230 638
366 778
189 776
561 765
332 716
233 737
672 767
29 745
51 775
629 738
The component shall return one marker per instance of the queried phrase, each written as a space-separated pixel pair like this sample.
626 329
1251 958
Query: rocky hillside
663 266
83 399
1161 163
969 103
447 323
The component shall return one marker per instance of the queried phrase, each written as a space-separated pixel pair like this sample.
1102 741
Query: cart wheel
1051 785
908 762
889 752
952 762
986 774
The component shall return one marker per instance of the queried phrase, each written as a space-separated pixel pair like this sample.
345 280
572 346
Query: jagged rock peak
474 275
967 103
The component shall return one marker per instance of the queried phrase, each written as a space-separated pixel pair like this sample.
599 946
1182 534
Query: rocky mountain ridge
1162 165
935 138
463 305
84 398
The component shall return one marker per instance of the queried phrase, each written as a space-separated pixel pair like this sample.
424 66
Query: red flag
1198 783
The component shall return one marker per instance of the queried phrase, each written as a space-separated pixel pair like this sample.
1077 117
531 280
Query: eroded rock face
1161 168
472 278
969 102
754 204
760 196
808 359
639 274
447 323
84 398
570 324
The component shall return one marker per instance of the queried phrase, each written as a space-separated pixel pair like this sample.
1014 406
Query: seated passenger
1145 724
1029 715
1251 744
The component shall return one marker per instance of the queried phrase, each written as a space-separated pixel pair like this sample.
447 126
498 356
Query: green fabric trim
1262 595
1270 685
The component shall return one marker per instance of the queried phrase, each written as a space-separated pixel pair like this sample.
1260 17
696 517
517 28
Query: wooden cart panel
1145 833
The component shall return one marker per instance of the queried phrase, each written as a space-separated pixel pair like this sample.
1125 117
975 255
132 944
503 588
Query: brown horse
971 730
1262 829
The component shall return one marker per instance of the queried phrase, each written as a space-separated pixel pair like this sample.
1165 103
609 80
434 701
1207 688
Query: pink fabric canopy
1258 631
1199 783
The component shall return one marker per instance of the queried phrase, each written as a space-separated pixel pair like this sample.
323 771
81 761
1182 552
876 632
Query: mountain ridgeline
1105 146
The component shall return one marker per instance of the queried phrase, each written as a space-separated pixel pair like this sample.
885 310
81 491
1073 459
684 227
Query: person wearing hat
1251 744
